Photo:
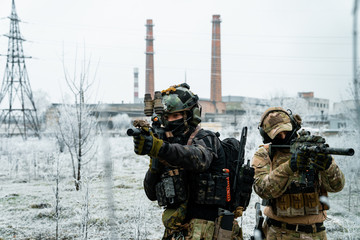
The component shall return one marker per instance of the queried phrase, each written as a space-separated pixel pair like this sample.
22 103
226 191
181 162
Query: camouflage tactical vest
299 199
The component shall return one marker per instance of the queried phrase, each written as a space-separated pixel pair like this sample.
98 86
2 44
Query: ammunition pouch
298 202
210 188
282 205
171 190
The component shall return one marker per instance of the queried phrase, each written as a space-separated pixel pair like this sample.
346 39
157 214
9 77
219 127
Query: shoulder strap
197 129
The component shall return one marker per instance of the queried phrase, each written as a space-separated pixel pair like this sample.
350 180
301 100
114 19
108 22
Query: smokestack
136 85
149 80
215 94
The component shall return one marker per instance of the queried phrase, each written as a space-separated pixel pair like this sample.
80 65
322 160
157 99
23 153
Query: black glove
322 161
299 161
147 143
246 180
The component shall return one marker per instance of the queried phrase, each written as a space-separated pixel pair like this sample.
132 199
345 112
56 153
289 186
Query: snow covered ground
28 183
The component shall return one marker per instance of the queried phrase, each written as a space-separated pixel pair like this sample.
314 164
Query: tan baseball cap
276 121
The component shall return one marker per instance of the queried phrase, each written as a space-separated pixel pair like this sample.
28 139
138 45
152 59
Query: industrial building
222 109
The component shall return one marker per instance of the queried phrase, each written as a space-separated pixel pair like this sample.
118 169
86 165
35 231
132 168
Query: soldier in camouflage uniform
294 208
188 181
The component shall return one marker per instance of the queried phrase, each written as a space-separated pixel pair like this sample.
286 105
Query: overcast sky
269 48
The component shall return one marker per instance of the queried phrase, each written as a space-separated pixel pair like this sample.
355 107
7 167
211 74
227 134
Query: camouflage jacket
272 178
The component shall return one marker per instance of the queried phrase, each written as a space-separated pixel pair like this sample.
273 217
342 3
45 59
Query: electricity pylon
18 115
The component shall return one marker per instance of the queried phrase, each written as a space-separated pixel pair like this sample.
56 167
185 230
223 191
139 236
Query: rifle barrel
133 132
325 150
330 150
242 144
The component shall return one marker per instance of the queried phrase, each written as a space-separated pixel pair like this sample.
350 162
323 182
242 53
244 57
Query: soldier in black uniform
190 182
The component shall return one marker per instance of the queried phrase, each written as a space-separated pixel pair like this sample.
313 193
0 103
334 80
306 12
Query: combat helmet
275 120
179 98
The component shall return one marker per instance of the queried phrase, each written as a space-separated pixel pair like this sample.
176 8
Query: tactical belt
314 228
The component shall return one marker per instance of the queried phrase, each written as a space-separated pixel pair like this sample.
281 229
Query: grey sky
269 48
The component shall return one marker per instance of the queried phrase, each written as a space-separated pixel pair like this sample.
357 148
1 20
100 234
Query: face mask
278 141
176 126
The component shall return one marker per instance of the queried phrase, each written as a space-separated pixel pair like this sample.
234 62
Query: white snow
27 181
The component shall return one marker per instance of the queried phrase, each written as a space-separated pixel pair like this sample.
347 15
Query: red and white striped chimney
215 94
149 75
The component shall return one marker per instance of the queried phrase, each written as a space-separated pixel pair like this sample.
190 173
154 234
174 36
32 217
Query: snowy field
118 208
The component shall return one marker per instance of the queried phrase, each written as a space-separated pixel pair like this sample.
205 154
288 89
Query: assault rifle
139 124
155 128
259 220
241 156
311 145
242 171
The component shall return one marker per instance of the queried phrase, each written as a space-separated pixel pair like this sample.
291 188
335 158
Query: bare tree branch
77 126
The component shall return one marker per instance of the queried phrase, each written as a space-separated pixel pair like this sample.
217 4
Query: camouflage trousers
275 233
223 234
199 229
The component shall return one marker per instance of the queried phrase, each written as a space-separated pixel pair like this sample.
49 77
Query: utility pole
355 64
18 115
355 72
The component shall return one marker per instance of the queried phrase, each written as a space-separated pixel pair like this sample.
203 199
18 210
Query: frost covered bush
121 121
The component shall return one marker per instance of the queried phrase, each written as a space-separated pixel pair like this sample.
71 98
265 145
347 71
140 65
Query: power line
182 33
185 33
204 53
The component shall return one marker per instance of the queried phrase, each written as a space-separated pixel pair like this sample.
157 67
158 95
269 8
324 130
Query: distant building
306 94
103 112
246 101
212 106
344 114
230 111
317 106
344 107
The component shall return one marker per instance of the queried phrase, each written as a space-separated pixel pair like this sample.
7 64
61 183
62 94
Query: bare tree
85 211
76 123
